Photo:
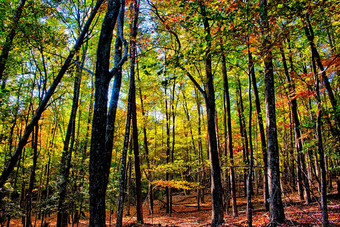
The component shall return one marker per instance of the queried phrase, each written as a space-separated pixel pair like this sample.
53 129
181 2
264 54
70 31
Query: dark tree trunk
216 186
230 139
32 177
262 135
133 53
67 152
29 128
146 146
320 147
310 36
251 158
6 48
244 136
276 207
100 154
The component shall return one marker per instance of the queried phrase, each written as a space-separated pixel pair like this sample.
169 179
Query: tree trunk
262 135
100 154
133 53
276 207
6 48
251 161
216 186
310 36
146 146
32 177
244 136
320 147
230 139
67 151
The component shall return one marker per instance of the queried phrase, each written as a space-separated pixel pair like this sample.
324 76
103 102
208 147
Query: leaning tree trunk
29 128
276 207
6 48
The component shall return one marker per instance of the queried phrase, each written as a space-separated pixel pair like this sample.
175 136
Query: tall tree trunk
32 177
276 207
226 137
146 146
167 118
320 147
230 139
244 136
262 134
100 154
216 185
29 128
251 158
67 150
133 53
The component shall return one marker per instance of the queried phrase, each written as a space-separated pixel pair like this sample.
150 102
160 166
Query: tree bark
320 147
67 151
277 215
100 155
251 158
262 135
133 53
244 136
216 186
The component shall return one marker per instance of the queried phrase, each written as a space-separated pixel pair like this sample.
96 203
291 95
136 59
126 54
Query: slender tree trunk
146 146
230 139
251 161
320 147
262 135
133 53
310 36
32 177
67 151
6 48
276 207
244 136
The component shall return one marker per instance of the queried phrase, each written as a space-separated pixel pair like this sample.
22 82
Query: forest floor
186 213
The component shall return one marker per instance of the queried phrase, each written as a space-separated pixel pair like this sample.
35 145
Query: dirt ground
186 213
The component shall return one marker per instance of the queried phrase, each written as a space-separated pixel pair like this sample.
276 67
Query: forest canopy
109 103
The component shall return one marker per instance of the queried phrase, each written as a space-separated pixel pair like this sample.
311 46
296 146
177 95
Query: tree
102 132
9 42
29 128
276 207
